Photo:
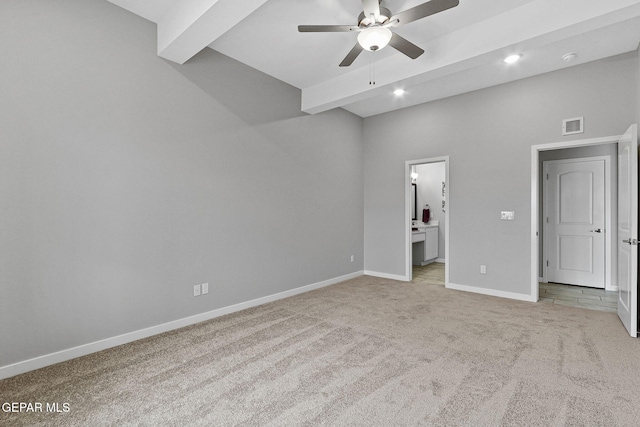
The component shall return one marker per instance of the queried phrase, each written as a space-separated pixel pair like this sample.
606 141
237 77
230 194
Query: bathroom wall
429 191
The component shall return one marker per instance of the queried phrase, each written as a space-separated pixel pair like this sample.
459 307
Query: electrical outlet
196 290
483 269
205 288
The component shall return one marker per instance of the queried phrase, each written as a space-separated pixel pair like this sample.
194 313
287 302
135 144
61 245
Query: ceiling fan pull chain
372 70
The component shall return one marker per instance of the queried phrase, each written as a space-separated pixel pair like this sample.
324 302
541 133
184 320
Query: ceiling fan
373 27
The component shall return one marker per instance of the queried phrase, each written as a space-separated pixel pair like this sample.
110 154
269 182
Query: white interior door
628 230
575 222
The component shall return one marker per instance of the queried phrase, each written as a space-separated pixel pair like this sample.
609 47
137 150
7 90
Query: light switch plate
507 215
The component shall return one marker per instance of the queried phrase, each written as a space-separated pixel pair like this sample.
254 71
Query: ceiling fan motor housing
366 21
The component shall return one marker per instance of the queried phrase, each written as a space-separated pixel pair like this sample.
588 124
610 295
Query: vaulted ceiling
464 46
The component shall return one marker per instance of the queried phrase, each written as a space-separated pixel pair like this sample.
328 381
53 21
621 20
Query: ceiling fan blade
371 7
351 56
423 10
405 46
327 28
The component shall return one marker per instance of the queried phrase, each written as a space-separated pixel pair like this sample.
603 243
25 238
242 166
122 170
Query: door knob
597 230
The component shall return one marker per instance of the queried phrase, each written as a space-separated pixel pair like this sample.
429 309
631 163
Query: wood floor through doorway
550 293
579 296
431 273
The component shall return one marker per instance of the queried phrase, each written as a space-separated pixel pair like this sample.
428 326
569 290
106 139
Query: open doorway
427 215
578 222
564 153
578 217
627 221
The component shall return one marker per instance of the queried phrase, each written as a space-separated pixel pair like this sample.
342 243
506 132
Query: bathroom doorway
427 183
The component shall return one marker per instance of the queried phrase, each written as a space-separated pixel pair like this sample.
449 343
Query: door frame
608 222
535 197
407 214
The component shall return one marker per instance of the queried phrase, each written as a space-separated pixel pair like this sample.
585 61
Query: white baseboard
386 275
441 260
85 349
491 292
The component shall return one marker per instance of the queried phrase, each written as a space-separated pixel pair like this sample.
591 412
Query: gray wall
126 179
488 135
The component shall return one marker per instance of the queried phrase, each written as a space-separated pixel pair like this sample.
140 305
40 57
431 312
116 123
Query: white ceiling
464 46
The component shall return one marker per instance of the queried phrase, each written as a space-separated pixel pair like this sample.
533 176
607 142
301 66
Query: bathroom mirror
414 207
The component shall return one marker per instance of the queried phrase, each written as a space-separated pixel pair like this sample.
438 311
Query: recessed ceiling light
398 92
512 58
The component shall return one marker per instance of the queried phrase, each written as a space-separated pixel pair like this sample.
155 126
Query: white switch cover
205 288
196 290
507 215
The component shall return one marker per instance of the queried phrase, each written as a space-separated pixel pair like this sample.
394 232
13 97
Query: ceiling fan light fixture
374 38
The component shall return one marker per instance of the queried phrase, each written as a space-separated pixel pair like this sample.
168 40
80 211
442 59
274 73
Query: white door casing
628 230
574 223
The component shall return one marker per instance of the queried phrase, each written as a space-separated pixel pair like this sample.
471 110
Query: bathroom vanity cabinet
425 244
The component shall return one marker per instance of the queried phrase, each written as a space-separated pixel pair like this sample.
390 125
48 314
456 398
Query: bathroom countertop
422 226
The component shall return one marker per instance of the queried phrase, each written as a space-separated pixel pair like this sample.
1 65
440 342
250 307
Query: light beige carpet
366 352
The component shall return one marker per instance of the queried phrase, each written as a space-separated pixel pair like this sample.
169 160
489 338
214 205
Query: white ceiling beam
189 26
453 53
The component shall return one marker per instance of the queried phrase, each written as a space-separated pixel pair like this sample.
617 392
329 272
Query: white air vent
572 126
